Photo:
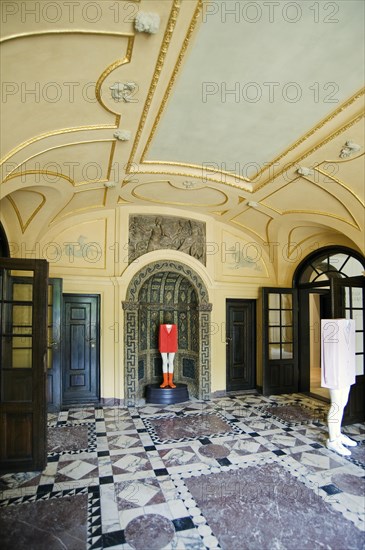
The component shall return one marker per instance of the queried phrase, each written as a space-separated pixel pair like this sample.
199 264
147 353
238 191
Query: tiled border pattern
156 440
91 437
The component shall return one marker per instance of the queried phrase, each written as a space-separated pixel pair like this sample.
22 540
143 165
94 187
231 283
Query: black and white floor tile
235 472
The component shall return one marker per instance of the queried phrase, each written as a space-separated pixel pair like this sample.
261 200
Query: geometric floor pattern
226 473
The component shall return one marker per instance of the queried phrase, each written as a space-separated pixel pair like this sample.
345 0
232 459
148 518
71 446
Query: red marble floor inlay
150 531
286 513
189 426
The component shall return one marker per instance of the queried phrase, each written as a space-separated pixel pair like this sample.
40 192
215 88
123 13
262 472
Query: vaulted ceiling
250 113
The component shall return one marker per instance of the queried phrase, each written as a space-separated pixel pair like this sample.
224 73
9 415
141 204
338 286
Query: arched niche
166 291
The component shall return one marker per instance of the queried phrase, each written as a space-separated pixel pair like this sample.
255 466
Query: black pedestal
166 396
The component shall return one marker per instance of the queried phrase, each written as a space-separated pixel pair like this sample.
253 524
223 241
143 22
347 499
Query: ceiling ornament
315 148
189 184
147 22
253 204
122 91
122 135
349 149
304 171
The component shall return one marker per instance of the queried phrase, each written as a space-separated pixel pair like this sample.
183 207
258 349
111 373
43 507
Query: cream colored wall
237 267
99 265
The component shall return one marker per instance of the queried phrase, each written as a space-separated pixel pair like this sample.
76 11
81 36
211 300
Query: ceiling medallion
349 149
147 22
304 171
123 91
189 184
122 135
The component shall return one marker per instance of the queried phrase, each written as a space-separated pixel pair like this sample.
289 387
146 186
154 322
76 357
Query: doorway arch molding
131 309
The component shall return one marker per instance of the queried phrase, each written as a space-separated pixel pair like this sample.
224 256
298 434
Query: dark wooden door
23 350
80 349
240 344
280 341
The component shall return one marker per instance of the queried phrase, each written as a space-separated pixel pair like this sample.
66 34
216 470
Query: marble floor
239 472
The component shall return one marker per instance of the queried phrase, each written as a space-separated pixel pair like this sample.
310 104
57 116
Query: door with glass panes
348 302
23 351
280 341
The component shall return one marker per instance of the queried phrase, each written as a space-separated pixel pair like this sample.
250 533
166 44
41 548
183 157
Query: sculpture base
166 396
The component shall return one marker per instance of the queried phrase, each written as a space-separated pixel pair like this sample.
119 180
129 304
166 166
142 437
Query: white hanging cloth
338 361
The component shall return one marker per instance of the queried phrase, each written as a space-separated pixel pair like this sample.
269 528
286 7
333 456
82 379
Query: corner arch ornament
131 309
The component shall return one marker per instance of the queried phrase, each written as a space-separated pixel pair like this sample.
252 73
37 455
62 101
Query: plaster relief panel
149 233
81 246
241 258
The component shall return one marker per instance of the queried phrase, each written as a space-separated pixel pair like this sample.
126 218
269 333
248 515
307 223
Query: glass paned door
349 302
23 331
280 367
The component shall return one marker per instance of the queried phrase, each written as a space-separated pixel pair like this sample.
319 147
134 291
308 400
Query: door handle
228 340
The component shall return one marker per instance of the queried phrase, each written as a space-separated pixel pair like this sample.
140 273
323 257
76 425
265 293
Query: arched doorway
330 284
166 291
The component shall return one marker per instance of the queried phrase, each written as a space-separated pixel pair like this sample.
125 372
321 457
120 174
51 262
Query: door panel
280 355
240 340
23 347
54 345
80 351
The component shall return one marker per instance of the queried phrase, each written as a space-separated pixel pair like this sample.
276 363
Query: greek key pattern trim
204 381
